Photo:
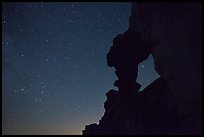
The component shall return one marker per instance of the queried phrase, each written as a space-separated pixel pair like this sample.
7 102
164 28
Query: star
36 99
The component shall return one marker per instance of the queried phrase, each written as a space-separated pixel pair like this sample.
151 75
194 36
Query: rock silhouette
172 103
152 111
125 56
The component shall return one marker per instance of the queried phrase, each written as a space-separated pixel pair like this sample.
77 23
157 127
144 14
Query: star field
54 71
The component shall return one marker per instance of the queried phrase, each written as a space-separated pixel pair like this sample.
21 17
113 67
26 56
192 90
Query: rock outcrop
151 111
171 32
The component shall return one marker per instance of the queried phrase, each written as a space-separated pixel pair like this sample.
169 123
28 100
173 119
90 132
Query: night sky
54 71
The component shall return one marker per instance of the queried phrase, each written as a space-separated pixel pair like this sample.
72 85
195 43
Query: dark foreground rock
172 104
151 111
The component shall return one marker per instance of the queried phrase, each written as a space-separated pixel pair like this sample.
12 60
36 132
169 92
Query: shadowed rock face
171 104
176 31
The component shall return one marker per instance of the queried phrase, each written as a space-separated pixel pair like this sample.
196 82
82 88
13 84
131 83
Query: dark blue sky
54 71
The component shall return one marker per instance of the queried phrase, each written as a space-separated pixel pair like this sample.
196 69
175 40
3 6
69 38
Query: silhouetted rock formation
127 111
172 103
125 56
152 111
